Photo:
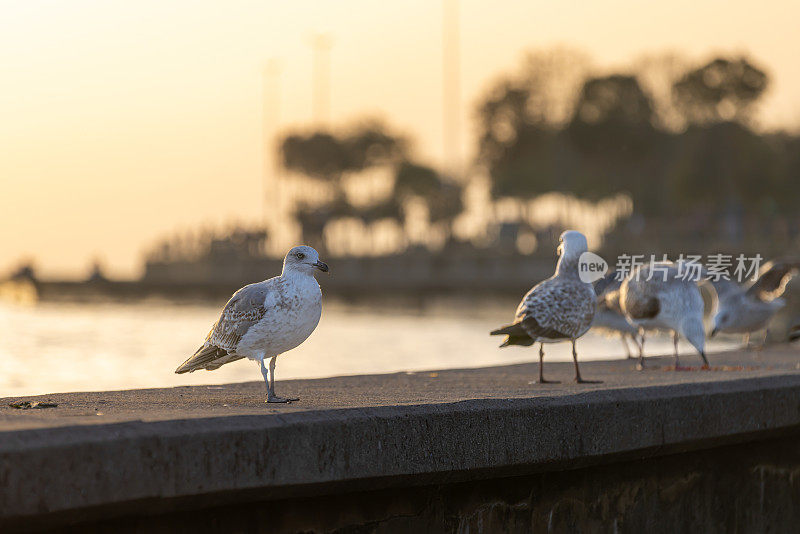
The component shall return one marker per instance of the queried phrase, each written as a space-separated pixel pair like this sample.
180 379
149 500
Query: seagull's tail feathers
516 335
207 357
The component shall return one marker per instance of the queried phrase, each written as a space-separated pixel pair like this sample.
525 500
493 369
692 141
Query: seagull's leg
541 364
640 364
578 378
705 360
675 346
271 397
763 342
264 371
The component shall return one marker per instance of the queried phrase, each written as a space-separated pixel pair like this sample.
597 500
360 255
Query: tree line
695 149
678 138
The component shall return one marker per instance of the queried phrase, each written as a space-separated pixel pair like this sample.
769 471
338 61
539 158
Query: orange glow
122 121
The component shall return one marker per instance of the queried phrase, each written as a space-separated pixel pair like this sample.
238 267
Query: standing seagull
663 300
744 310
266 319
609 318
558 309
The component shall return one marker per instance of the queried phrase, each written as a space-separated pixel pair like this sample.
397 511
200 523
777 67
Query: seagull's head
571 244
303 259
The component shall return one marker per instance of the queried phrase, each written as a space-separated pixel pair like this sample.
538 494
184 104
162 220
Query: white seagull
664 301
266 319
743 309
558 309
609 318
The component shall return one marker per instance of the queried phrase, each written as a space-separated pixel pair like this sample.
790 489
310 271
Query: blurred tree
721 90
617 138
327 157
520 118
314 217
446 204
413 179
722 164
442 197
370 144
613 115
656 73
388 208
318 155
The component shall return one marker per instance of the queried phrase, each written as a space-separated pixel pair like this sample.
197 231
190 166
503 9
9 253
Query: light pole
451 88
321 44
273 200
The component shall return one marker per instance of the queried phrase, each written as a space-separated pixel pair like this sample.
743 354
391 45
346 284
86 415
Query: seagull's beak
322 266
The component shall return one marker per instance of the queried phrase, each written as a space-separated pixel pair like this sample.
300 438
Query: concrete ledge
152 451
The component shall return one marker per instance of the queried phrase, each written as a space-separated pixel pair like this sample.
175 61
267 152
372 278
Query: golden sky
123 121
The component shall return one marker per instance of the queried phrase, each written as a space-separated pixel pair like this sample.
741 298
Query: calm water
58 347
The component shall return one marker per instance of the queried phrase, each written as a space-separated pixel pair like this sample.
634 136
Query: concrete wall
751 487
478 450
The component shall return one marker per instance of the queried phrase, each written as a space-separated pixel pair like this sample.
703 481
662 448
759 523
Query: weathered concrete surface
751 487
105 455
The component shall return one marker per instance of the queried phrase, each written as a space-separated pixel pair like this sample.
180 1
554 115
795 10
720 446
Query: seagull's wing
556 310
773 279
639 299
243 310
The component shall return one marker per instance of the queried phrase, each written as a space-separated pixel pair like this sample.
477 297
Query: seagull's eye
299 255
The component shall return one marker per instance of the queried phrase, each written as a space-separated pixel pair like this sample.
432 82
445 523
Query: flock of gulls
264 320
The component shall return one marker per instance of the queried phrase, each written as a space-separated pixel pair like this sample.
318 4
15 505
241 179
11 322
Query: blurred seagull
558 309
266 319
664 302
609 318
746 309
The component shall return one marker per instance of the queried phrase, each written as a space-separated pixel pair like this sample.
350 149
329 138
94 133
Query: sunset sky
124 121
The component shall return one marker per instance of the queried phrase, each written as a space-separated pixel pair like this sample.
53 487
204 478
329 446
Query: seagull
266 319
609 318
748 309
558 309
664 302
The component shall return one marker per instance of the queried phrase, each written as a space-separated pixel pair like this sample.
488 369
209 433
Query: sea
49 347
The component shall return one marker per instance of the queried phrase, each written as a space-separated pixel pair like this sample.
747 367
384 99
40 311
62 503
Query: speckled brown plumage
558 308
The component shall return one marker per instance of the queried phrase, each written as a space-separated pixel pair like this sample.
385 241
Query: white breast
293 312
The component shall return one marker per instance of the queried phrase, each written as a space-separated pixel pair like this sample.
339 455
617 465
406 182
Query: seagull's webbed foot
580 380
281 400
545 381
